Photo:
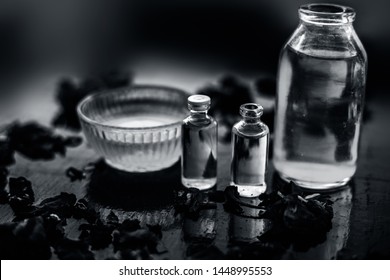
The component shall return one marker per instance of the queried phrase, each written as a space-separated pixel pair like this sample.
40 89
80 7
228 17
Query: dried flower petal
98 235
21 194
3 177
69 95
6 153
69 249
61 205
35 141
191 202
112 219
138 239
26 239
75 174
83 210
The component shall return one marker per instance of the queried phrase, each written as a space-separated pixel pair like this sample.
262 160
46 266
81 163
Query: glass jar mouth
251 110
323 13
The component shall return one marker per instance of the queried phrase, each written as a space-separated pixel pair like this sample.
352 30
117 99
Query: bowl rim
92 96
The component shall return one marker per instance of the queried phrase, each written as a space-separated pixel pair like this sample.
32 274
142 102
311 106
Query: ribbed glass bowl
135 129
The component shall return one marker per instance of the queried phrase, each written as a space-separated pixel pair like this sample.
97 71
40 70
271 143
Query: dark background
243 36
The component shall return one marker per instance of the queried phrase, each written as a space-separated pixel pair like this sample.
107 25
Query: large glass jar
320 94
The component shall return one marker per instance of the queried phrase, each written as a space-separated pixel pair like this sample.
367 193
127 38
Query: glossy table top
361 225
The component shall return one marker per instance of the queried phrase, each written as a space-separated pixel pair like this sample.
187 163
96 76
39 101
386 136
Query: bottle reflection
337 237
201 229
246 228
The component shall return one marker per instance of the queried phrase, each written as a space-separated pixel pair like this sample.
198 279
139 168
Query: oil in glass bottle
199 145
250 139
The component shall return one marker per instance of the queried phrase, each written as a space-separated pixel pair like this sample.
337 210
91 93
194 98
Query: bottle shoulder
337 42
256 130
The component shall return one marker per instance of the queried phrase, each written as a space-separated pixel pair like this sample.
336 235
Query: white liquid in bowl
141 121
139 151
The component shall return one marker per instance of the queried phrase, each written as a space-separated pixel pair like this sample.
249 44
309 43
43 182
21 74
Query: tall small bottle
199 144
250 139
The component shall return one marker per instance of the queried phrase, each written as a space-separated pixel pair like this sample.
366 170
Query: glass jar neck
325 30
316 26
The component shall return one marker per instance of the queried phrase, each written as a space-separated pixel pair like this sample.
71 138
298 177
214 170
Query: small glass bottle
199 145
250 139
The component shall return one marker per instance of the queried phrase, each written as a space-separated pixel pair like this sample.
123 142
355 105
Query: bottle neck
251 113
251 121
324 40
199 114
316 28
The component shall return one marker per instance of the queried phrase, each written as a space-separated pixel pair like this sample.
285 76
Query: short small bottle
199 145
250 138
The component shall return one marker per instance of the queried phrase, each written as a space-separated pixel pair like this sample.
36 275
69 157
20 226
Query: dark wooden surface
361 226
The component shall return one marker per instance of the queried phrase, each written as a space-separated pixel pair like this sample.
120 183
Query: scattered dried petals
26 239
21 194
98 235
35 141
83 210
70 94
6 153
61 205
191 202
68 249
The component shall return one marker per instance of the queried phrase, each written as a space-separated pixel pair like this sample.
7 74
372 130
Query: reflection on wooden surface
361 225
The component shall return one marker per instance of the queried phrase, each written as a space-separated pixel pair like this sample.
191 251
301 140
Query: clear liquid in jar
320 99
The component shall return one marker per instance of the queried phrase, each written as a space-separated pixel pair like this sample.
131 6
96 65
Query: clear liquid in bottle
320 100
199 144
249 152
